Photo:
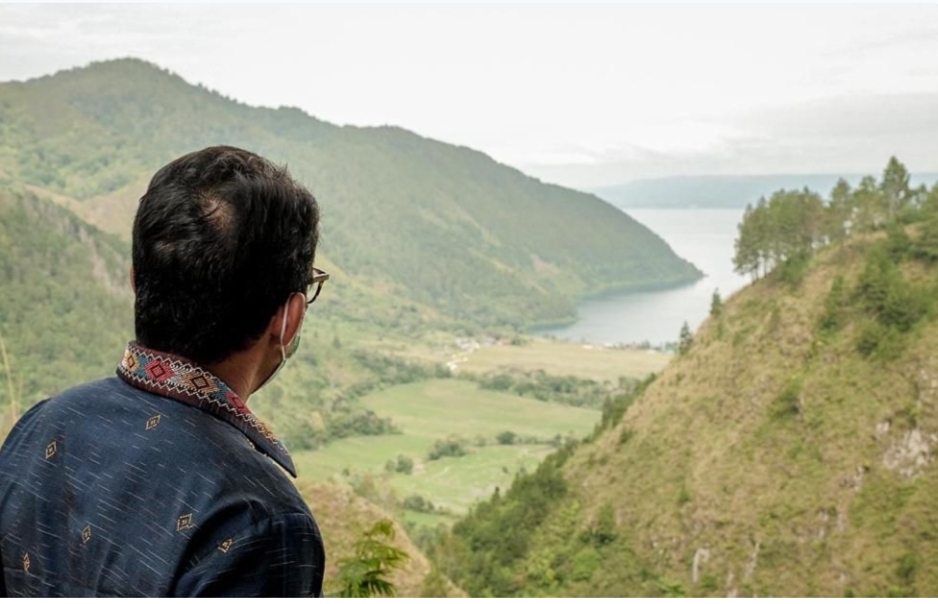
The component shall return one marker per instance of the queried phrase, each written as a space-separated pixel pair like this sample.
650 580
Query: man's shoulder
120 424
109 391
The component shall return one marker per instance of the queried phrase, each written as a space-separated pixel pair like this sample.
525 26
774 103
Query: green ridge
439 225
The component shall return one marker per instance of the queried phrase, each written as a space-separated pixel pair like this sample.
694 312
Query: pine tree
716 304
686 339
746 260
895 188
839 212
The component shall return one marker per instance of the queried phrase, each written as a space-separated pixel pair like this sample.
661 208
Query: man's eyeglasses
319 277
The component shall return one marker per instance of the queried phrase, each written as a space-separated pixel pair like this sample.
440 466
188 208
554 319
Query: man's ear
294 309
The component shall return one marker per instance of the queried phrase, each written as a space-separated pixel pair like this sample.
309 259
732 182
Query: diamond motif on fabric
159 370
26 563
225 545
86 534
130 361
51 450
153 422
184 523
202 383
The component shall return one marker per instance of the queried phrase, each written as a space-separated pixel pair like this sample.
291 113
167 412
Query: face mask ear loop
283 332
283 347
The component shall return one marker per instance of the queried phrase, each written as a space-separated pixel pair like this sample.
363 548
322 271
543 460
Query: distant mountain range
723 191
404 218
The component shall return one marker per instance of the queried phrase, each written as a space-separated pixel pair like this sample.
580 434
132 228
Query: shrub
585 562
898 243
904 306
880 341
834 303
788 402
362 423
404 465
538 384
794 269
888 296
906 568
450 447
869 339
506 438
926 246
602 530
416 503
683 496
625 436
878 275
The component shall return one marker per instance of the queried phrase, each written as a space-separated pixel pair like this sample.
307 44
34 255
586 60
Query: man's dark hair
221 239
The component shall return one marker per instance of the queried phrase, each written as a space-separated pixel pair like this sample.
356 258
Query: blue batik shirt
157 482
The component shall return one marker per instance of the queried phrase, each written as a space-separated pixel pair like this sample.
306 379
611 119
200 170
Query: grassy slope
506 249
826 491
432 410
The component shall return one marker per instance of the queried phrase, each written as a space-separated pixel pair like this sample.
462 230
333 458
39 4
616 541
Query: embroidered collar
181 379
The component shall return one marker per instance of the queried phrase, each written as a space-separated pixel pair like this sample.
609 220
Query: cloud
603 92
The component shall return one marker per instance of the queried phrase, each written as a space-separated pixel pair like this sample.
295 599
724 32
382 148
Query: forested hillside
788 451
66 307
431 223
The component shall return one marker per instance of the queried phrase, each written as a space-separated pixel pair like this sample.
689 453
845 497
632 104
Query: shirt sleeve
281 556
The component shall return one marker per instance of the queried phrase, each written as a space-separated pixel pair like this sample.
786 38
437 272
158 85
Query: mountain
413 219
790 451
720 191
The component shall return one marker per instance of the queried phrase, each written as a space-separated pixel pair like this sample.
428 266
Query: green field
567 358
436 409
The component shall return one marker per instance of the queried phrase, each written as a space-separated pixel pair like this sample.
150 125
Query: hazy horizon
584 96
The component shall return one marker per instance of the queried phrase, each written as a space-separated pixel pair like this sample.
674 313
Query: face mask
286 351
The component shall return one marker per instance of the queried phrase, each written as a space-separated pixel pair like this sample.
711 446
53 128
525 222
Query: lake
702 236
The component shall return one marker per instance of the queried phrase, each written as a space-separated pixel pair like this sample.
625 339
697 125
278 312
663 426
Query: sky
585 95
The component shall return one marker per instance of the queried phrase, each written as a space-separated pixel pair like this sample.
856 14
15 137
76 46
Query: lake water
704 237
